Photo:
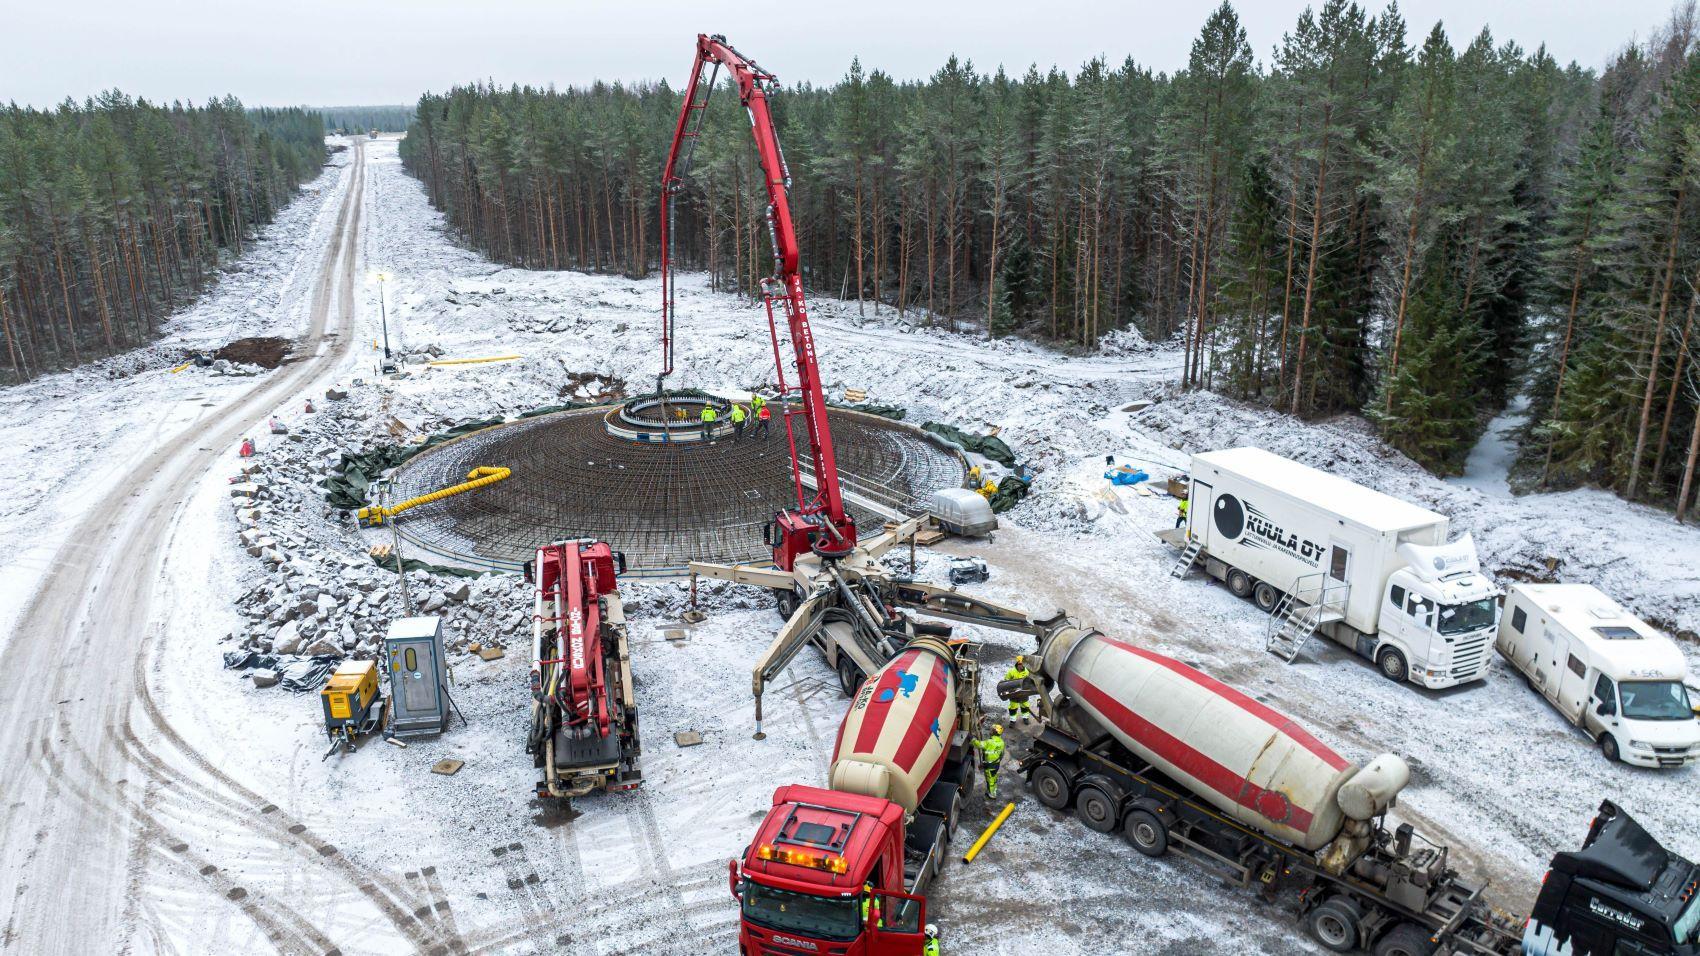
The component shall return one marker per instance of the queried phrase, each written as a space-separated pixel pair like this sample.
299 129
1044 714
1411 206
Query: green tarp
410 564
347 488
1010 490
988 445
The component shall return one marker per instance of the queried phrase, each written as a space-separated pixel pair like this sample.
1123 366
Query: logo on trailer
1234 519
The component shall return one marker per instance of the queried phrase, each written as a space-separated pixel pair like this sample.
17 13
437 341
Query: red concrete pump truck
819 524
838 869
584 722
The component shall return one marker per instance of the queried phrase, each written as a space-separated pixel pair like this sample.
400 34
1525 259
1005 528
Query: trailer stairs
1315 600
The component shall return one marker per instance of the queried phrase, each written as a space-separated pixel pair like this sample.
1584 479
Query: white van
1604 669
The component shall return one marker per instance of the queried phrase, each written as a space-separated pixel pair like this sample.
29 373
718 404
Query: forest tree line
115 212
361 119
1410 232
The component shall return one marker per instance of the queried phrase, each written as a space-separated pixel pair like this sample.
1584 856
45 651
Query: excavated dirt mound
266 352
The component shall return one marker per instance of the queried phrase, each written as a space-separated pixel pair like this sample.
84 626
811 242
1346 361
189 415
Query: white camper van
1604 669
1326 555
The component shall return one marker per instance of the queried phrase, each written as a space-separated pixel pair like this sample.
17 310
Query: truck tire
1608 746
1096 809
1147 833
786 602
1406 939
849 675
1239 582
1336 924
1265 596
1393 665
1050 786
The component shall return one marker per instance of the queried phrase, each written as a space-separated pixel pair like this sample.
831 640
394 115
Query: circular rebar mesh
663 504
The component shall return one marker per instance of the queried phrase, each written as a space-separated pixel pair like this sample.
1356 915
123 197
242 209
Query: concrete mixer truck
1141 744
842 869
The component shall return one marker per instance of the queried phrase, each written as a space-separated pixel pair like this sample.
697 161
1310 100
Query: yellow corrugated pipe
476 478
473 361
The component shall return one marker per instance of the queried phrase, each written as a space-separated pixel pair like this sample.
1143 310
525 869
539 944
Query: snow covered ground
473 859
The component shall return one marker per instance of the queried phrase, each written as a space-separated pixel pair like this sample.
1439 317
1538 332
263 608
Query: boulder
458 592
336 394
288 638
263 677
323 646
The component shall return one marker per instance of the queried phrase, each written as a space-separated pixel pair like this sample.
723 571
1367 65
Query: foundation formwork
654 484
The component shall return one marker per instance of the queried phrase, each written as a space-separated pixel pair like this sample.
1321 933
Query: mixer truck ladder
1315 600
1189 557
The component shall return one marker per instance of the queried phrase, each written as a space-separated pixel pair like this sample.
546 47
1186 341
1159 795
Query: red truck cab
800 887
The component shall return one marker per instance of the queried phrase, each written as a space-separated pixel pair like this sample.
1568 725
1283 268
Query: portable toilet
419 696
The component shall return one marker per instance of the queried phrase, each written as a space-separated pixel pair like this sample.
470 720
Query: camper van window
1577 667
1617 633
1458 618
1605 691
1397 596
1655 700
1519 620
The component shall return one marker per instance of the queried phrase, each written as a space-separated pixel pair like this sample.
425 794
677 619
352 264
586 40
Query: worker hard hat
932 930
1020 659
997 729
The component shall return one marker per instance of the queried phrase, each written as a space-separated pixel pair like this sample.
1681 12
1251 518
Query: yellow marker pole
986 837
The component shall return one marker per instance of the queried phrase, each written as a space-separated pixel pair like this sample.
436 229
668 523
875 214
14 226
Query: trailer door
1198 512
1570 680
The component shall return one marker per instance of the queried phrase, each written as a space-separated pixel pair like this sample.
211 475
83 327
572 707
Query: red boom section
821 519
572 576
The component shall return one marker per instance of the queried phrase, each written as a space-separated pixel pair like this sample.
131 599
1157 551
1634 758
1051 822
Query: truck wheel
849 675
1265 596
787 604
1147 833
1239 582
1392 664
1608 746
1050 786
1095 809
1334 924
1406 939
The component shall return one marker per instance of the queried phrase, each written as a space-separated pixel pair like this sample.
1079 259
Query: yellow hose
473 361
181 367
986 837
477 478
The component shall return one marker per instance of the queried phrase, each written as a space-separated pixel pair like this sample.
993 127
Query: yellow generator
353 707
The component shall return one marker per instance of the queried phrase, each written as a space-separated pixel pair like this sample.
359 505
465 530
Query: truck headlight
1640 745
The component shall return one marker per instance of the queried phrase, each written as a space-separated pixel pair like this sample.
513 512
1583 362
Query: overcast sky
365 52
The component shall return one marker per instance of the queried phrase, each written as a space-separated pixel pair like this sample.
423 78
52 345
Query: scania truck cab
1622 894
824 875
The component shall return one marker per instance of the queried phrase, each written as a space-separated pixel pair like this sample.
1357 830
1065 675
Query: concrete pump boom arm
785 286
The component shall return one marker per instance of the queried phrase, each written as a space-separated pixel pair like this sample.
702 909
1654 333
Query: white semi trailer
1324 554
